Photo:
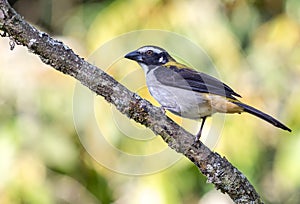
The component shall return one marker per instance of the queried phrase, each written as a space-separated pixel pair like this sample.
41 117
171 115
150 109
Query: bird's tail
262 115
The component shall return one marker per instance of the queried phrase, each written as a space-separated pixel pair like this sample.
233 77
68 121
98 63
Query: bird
189 93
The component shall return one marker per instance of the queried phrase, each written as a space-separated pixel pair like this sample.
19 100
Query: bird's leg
200 131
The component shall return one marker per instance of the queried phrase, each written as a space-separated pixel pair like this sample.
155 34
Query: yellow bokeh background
255 46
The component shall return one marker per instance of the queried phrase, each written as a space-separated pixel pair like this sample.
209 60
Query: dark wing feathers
192 80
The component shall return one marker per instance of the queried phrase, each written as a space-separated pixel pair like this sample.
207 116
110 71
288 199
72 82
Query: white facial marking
161 59
155 50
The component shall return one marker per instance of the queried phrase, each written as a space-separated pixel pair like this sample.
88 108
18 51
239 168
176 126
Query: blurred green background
255 45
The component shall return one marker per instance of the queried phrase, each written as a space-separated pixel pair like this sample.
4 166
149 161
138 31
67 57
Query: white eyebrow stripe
155 50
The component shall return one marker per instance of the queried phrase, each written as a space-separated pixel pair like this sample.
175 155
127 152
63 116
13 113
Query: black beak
134 55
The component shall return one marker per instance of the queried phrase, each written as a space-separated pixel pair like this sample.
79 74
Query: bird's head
150 55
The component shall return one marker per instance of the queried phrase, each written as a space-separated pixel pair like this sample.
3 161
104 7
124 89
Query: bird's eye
149 52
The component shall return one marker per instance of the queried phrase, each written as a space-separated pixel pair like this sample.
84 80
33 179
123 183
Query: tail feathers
262 115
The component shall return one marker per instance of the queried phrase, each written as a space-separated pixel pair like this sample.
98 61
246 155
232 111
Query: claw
162 108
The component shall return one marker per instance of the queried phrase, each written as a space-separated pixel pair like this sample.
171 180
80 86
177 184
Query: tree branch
54 53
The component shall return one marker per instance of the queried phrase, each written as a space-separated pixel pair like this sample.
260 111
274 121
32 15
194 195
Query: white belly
181 102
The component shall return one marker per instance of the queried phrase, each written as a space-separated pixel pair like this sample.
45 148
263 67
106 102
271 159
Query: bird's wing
189 79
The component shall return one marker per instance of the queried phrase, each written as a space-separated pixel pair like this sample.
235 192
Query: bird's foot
196 142
163 109
197 138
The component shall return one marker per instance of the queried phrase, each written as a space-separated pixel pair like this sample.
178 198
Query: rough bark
218 170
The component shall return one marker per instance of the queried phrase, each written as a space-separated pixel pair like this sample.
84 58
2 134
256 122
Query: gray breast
182 102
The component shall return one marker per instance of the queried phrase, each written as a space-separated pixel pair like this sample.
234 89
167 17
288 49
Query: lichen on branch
218 170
